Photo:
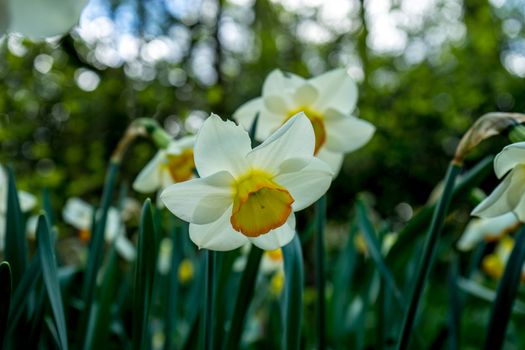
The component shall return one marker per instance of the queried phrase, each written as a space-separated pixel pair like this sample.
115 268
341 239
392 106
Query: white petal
278 105
276 238
218 235
113 224
346 133
200 201
78 213
305 94
245 114
295 139
479 229
44 18
509 157
27 201
149 179
125 248
505 197
308 184
184 143
333 159
221 145
278 83
267 122
336 90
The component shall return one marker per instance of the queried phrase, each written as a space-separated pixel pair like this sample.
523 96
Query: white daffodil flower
26 200
509 195
488 229
249 195
327 100
494 263
171 165
79 214
39 19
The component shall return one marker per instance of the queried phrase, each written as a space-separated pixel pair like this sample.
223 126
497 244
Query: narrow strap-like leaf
419 222
15 238
50 274
144 275
506 294
243 299
427 255
320 279
293 294
21 294
209 296
370 237
96 246
5 298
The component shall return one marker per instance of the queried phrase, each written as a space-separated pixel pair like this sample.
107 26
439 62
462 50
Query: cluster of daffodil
244 194
501 213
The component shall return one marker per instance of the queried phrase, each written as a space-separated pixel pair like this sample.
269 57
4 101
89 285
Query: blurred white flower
171 165
249 195
488 229
494 263
327 100
80 215
27 202
509 195
39 19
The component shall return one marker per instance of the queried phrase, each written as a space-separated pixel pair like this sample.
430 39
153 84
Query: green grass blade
506 294
96 246
374 249
244 296
293 294
427 255
5 298
422 219
144 275
320 279
15 238
48 208
50 275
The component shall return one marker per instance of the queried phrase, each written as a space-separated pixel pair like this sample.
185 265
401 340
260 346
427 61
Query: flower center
181 166
317 121
259 204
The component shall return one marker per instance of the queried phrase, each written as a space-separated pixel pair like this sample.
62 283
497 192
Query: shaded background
426 70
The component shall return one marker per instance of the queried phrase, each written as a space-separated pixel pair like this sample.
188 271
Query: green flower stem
428 253
320 208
